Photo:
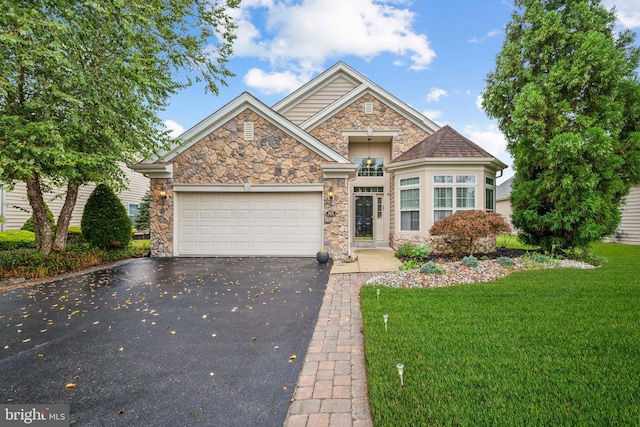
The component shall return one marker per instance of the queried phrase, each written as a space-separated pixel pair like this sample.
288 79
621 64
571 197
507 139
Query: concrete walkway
332 388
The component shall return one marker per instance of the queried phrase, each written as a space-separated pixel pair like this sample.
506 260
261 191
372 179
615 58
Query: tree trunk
62 227
41 225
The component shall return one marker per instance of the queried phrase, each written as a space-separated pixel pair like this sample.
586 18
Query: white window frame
410 184
490 187
455 183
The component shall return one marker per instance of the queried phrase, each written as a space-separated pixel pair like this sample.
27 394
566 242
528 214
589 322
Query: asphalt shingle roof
446 142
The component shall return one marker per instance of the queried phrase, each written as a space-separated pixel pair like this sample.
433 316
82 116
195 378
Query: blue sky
432 54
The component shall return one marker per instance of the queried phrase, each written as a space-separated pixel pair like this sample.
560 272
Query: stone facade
224 157
447 245
353 117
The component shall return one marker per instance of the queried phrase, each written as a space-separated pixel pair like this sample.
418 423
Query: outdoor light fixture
386 319
378 293
330 196
400 371
163 195
369 161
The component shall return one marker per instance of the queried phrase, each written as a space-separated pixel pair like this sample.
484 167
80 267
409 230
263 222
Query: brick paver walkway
332 388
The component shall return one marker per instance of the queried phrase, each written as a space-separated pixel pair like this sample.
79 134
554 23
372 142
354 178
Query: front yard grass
543 347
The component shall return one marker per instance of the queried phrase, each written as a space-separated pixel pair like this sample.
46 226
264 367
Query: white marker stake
400 369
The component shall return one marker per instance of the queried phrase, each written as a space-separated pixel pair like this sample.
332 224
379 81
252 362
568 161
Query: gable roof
360 86
232 109
446 145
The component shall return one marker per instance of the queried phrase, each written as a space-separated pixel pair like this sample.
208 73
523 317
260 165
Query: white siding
319 100
17 209
630 224
503 207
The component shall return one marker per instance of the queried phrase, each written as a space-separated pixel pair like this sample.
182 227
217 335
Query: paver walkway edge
332 387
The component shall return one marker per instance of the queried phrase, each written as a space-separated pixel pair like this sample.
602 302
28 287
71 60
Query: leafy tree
82 84
143 220
105 222
470 226
566 95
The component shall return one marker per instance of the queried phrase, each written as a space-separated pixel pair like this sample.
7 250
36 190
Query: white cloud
479 100
301 35
627 12
490 34
175 128
435 94
491 139
274 82
432 114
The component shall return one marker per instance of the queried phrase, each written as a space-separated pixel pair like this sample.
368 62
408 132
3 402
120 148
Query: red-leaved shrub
471 225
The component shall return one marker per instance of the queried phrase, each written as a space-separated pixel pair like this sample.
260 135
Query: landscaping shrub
409 264
419 252
471 225
413 251
17 239
74 236
503 260
430 267
404 250
105 222
28 225
470 261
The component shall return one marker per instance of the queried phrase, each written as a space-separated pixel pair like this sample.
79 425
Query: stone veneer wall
383 118
447 245
161 215
224 157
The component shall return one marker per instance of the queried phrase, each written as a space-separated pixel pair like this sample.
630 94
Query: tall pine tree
566 95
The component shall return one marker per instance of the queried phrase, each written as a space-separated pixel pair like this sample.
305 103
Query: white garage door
270 224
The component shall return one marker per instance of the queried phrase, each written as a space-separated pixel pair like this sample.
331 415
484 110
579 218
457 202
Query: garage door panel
249 223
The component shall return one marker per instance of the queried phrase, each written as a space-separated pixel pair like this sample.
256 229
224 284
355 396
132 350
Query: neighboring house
628 230
339 163
503 205
15 207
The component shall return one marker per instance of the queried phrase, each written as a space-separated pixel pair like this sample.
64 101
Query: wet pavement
190 341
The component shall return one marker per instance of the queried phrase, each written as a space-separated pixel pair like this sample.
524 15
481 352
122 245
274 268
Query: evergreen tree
105 222
143 220
566 95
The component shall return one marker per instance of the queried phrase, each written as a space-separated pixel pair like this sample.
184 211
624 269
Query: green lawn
545 347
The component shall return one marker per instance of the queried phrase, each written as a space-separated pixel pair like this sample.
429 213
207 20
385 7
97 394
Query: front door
364 217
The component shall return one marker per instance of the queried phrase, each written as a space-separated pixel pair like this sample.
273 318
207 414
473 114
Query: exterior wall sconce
163 195
331 195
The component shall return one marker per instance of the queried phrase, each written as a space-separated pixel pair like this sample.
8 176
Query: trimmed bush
17 239
105 223
28 225
471 225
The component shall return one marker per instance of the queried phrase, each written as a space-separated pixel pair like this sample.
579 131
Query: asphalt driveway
164 342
